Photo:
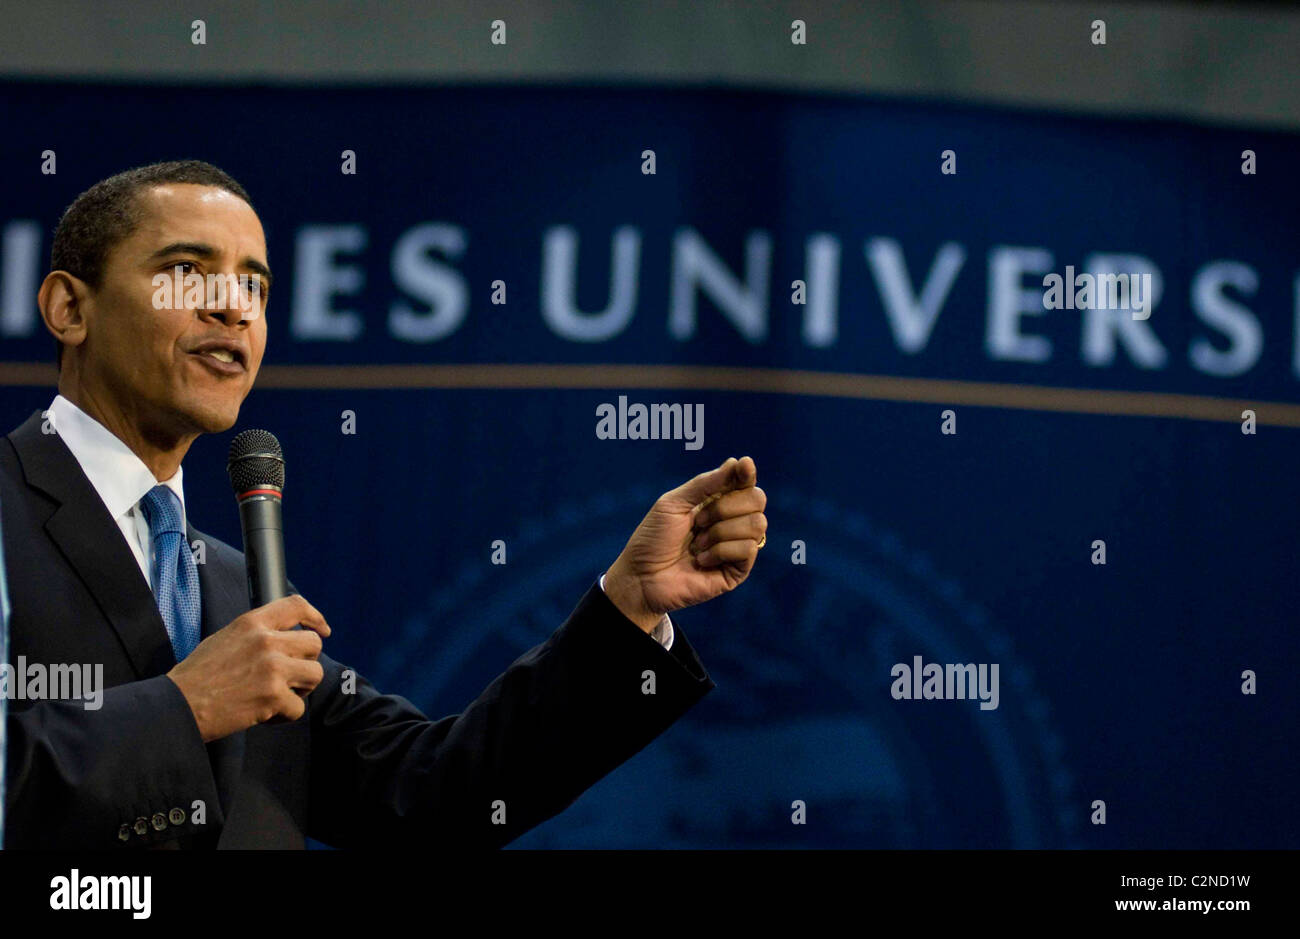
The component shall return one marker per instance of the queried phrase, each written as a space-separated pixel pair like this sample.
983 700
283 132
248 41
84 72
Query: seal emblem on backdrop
801 654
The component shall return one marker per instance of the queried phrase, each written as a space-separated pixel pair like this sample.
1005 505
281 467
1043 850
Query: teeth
221 355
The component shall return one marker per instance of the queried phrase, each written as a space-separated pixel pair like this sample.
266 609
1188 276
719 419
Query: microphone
256 469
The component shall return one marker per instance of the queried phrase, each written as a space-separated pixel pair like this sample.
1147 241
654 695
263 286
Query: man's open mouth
224 358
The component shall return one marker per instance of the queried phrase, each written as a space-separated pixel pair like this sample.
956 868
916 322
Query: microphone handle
259 518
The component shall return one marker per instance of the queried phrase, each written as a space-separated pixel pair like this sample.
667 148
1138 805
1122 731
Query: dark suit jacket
359 769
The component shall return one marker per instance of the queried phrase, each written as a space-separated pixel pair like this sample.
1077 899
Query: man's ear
61 301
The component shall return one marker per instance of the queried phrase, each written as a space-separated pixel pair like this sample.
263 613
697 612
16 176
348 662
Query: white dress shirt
121 479
118 475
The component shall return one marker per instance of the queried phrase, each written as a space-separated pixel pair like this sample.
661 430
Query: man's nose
231 302
226 315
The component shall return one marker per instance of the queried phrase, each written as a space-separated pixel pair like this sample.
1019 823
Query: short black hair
109 212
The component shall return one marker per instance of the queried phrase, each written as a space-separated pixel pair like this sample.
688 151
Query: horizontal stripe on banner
759 380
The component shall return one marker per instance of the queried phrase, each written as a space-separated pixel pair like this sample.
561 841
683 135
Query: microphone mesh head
255 461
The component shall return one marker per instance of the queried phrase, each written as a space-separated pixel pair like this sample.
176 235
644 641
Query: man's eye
181 264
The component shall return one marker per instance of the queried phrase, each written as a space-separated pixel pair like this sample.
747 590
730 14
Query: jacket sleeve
554 723
121 774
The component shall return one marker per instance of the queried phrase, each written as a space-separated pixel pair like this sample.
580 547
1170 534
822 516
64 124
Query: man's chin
220 426
211 418
218 423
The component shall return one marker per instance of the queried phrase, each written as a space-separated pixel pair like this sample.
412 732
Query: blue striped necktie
175 575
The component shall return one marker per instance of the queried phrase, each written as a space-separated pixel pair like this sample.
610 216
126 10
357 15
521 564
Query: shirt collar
117 474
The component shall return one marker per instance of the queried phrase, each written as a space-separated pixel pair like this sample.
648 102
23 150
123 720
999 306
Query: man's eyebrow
200 250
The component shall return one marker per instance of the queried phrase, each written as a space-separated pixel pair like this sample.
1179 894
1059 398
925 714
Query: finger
298 643
732 474
291 611
728 552
732 505
746 473
303 674
752 525
290 705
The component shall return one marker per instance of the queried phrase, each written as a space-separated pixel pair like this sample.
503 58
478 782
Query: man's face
155 358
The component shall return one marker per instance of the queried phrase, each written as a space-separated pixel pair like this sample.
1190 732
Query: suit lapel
221 599
92 543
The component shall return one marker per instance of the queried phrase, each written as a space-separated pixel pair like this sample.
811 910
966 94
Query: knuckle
313 641
270 686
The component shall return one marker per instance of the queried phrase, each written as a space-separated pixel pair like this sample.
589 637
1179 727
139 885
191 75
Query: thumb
732 474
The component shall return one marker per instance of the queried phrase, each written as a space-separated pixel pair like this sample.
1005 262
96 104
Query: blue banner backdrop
476 421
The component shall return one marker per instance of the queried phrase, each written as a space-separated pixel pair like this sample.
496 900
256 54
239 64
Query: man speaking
221 726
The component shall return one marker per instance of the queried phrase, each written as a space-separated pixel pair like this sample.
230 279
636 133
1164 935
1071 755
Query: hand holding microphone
260 666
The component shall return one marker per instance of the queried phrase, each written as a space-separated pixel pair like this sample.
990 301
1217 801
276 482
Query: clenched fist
698 541
256 668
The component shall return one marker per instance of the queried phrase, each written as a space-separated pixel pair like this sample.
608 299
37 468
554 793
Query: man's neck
162 452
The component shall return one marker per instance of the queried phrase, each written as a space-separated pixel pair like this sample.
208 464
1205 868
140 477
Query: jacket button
159 821
124 833
176 816
142 826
